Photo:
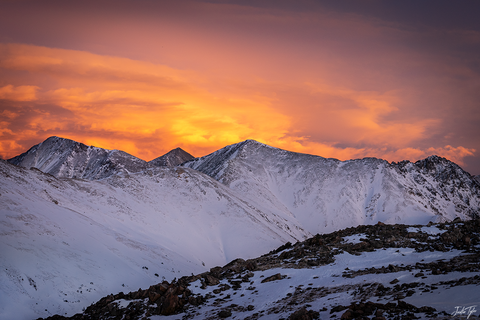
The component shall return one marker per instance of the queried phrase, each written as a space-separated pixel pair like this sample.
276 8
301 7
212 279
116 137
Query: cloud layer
197 75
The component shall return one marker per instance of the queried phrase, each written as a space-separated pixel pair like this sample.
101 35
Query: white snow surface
432 230
325 195
65 243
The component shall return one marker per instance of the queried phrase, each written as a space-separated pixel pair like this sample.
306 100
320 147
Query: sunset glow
149 76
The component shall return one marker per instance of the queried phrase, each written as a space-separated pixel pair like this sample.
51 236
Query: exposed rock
211 280
277 276
304 314
225 314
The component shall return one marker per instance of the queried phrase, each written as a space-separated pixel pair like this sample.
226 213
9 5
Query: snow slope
327 194
67 242
367 272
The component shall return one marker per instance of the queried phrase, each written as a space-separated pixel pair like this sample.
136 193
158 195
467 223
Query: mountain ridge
65 158
366 190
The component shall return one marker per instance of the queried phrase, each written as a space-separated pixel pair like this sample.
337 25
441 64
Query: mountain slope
64 158
173 158
327 194
367 272
67 242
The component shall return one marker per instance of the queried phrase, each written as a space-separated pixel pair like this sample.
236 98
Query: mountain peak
172 158
216 162
65 158
252 142
440 167
54 138
433 159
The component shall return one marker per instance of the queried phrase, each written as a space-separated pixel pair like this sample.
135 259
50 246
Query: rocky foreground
367 272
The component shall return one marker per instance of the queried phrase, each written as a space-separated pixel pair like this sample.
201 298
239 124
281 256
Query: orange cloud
135 106
455 154
148 109
20 93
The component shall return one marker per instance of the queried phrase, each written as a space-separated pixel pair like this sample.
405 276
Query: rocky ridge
387 290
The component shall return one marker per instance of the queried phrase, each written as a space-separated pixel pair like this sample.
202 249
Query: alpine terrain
327 194
78 223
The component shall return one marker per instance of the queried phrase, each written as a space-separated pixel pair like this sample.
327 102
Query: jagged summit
172 158
441 170
440 167
216 162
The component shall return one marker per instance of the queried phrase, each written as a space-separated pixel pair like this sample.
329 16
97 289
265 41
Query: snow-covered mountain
325 195
67 242
173 158
64 158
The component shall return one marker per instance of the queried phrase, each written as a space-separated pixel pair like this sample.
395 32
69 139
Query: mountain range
64 158
79 222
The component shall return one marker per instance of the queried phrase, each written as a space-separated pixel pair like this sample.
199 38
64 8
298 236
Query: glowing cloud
20 93
303 76
144 109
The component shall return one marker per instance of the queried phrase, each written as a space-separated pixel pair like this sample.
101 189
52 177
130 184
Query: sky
339 79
